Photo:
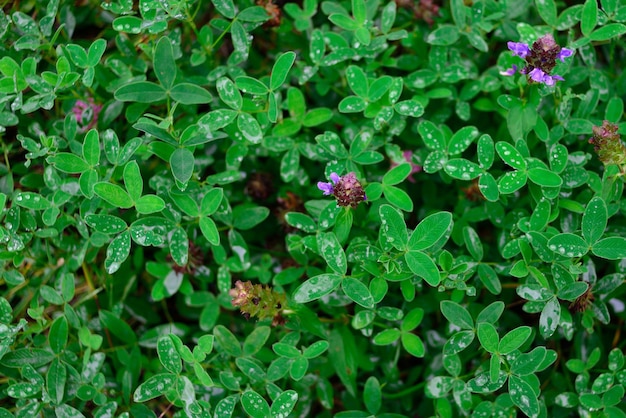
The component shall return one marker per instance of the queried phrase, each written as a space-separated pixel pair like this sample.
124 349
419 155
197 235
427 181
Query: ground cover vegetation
356 208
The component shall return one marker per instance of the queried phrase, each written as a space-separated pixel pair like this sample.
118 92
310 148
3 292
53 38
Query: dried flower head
425 10
290 203
241 293
259 186
472 192
607 144
194 262
582 303
540 59
347 189
273 11
258 301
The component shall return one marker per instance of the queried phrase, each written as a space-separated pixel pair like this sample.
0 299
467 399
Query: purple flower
346 189
519 49
327 188
564 53
540 59
556 78
86 113
540 77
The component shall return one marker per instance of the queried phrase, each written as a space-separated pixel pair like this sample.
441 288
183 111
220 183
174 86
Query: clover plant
353 208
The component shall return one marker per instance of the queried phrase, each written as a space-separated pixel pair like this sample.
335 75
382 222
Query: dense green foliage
339 208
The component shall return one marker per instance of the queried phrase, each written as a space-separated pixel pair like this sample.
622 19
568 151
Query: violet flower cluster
540 59
347 189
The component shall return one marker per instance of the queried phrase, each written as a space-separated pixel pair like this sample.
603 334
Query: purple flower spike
347 189
510 71
540 59
519 49
564 53
327 188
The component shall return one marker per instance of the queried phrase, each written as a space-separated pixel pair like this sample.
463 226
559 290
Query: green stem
404 392
5 151
194 28
219 38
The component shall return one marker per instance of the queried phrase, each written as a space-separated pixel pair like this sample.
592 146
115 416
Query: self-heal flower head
540 59
258 301
346 189
607 144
